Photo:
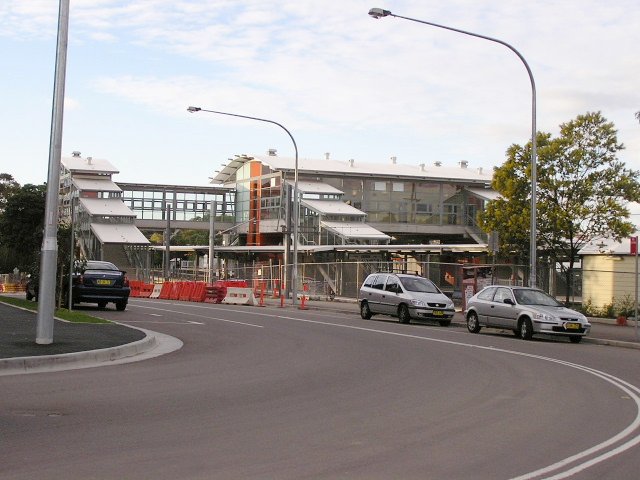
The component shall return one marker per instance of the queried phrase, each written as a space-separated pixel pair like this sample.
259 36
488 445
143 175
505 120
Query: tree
8 186
638 115
582 192
21 225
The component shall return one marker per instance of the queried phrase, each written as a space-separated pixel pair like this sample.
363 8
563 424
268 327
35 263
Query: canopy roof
118 233
95 184
332 207
111 207
355 230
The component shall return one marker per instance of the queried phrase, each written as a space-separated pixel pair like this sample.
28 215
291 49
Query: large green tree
8 186
21 225
583 189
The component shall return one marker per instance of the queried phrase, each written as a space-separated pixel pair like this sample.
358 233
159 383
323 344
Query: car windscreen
419 284
99 266
535 297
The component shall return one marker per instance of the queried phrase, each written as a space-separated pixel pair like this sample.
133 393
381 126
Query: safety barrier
225 291
239 296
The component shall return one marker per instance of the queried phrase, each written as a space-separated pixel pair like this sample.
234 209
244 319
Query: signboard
634 245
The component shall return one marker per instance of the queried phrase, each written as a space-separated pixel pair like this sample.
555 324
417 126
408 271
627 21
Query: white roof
332 207
88 165
112 207
359 168
317 187
96 184
119 233
355 230
608 246
485 193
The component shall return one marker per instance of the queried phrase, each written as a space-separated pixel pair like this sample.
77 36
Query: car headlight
451 305
418 303
545 317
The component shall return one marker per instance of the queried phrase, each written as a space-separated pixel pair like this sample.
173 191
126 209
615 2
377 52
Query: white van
404 296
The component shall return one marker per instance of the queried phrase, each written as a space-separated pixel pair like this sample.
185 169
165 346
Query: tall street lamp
379 13
296 210
49 250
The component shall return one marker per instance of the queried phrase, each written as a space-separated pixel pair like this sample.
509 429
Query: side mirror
508 301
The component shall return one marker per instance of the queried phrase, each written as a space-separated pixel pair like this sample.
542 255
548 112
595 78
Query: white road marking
630 390
200 316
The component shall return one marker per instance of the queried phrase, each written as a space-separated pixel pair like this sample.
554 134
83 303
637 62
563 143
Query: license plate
438 313
103 282
572 326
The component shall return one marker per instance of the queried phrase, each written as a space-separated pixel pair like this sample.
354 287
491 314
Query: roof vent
422 167
351 162
394 160
479 170
89 160
273 152
437 163
326 155
463 164
76 154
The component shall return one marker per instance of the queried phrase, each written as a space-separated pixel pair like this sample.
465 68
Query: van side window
378 283
392 285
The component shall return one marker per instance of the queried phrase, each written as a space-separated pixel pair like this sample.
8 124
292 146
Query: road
271 393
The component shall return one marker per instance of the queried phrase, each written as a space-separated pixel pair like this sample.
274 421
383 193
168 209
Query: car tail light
80 280
126 281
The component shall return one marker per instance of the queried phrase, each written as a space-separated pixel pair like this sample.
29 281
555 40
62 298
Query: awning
332 207
93 185
109 207
118 233
319 188
355 230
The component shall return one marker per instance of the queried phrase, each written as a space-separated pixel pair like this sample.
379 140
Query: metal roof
119 233
332 207
359 169
355 230
88 165
95 184
316 187
112 207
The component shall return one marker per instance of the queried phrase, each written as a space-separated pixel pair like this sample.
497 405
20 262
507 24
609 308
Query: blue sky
340 81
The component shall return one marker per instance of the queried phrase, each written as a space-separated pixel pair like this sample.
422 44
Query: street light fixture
296 209
379 13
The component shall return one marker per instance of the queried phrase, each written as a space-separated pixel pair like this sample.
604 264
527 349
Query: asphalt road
270 393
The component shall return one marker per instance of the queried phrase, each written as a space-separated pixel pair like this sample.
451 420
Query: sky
340 81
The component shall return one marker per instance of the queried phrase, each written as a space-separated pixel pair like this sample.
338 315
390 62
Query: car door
502 314
375 294
390 299
483 303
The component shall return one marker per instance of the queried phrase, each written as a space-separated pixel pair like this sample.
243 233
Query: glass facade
150 202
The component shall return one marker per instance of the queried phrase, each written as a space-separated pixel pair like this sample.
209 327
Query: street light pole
296 208
49 249
379 13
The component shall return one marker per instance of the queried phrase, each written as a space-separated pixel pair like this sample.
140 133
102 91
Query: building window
398 187
380 186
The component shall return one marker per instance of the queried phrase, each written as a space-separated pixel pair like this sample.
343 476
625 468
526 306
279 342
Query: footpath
76 345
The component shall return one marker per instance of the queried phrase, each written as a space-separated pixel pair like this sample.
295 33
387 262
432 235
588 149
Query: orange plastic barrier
146 289
166 290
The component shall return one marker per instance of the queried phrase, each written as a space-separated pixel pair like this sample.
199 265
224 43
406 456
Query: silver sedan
526 311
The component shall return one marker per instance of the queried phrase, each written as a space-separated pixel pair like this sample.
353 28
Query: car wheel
403 314
575 338
473 325
525 329
102 304
365 311
444 323
120 306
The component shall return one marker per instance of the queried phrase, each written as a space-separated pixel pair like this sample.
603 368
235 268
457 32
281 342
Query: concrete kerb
154 344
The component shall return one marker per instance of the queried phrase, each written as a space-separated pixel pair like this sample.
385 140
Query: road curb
104 356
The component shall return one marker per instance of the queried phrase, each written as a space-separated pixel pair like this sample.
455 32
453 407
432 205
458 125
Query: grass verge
73 316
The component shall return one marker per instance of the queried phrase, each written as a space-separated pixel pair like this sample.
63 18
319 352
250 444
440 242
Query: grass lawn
63 313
